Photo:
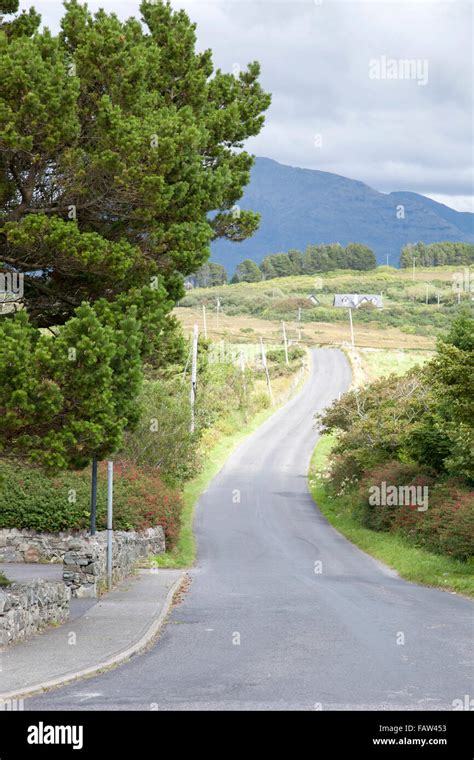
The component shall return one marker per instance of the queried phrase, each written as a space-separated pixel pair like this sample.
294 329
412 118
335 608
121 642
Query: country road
260 629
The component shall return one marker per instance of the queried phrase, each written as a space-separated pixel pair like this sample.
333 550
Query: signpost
194 375
93 496
110 481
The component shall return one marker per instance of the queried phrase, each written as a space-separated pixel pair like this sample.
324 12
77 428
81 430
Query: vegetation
208 276
412 562
413 431
411 307
4 580
109 168
32 499
316 258
437 254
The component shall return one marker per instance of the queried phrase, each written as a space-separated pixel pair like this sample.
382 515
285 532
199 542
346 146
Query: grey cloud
315 58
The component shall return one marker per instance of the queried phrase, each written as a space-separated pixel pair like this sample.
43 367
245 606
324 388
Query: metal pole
267 375
352 328
110 497
194 375
204 321
285 343
94 496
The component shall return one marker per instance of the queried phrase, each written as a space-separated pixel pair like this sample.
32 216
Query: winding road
259 629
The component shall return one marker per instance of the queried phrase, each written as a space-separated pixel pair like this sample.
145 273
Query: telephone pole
285 342
352 328
267 375
194 376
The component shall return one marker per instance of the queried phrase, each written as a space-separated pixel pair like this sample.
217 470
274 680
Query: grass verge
412 563
184 553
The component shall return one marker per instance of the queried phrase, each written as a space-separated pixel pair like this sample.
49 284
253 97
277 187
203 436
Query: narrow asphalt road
260 629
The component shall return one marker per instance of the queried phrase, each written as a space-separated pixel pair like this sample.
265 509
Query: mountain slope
304 206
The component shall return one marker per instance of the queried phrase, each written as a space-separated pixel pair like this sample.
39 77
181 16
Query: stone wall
30 546
84 557
85 564
26 608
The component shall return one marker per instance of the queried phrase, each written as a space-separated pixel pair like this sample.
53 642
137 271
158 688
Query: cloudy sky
343 100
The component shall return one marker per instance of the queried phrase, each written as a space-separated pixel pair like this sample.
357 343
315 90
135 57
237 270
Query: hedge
32 499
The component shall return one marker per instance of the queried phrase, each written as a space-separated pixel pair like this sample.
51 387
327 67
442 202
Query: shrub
391 517
277 355
162 439
32 499
448 527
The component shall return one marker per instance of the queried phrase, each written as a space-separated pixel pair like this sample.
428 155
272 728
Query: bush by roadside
32 499
444 524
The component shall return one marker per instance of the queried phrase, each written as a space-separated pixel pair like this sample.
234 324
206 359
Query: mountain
303 206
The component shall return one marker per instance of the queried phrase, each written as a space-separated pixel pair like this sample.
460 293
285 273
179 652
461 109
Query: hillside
304 206
411 317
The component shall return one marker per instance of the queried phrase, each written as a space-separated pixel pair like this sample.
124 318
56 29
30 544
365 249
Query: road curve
260 629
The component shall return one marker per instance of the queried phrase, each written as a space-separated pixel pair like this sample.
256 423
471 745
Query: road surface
260 629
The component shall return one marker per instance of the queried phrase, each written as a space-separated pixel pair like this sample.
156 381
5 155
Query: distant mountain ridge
300 207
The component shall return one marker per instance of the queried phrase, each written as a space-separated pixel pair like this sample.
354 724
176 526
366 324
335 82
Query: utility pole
93 496
285 343
265 367
244 384
352 329
204 322
110 497
194 376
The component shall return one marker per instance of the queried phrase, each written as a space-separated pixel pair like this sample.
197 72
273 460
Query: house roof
354 300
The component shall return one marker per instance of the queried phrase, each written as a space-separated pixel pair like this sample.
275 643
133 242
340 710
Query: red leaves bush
446 527
142 500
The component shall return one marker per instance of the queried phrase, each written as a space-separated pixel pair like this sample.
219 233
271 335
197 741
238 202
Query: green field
411 307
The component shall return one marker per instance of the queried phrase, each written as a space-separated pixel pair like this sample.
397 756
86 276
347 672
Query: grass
4 580
222 443
412 563
406 321
378 363
306 333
